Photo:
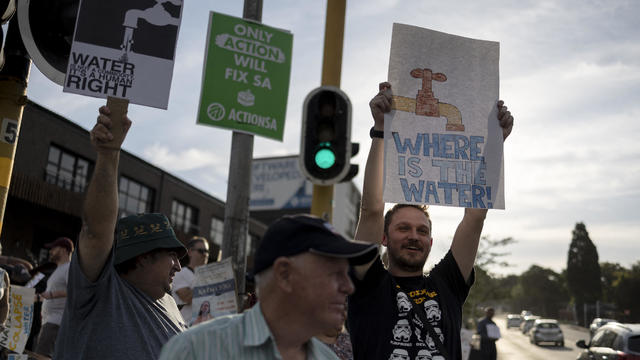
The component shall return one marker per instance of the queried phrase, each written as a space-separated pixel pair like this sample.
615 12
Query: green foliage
540 290
583 270
625 294
487 290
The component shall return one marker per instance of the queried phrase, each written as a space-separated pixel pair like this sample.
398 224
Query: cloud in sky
569 71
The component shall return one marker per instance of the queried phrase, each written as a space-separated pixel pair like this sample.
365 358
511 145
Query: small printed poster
125 49
245 82
16 331
214 292
443 142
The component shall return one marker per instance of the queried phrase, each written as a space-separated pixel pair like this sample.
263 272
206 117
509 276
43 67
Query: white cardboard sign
125 49
443 143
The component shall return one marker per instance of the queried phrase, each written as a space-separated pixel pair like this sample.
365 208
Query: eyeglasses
202 251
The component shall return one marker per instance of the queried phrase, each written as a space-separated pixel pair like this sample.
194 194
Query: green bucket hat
139 234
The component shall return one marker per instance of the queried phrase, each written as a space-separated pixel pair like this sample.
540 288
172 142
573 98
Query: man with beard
55 295
435 312
118 301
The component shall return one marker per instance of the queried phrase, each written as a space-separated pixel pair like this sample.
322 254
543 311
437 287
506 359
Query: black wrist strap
373 133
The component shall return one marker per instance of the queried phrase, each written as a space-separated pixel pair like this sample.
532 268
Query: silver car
527 323
612 341
513 320
596 324
546 331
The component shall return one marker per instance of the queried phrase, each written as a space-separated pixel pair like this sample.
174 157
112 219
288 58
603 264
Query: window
134 198
184 217
66 170
217 228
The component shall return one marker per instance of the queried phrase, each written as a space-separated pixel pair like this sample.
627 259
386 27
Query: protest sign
214 291
443 143
15 334
245 81
124 49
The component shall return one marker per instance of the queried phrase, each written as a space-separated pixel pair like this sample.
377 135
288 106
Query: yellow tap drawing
426 104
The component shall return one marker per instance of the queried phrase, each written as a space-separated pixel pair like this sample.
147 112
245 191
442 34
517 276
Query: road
515 345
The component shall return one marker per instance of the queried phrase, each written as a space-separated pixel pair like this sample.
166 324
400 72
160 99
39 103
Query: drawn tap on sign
156 15
426 104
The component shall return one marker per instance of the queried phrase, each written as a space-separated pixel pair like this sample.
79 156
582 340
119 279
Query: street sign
245 81
277 184
124 49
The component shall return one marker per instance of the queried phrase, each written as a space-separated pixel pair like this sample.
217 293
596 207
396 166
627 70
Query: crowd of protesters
318 294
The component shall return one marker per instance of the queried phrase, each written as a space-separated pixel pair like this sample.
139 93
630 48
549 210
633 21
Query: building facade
53 165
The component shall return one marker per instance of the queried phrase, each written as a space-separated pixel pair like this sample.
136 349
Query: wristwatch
373 133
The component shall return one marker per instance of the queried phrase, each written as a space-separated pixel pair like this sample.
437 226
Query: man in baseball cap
54 297
118 305
302 280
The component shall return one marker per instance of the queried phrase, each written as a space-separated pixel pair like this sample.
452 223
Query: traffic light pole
322 200
13 98
236 211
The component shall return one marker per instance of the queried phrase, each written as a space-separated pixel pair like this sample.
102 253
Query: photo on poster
125 49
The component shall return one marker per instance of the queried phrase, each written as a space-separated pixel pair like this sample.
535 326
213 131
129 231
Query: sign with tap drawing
245 81
125 49
443 143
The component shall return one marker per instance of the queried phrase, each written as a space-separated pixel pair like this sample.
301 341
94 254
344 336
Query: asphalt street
515 345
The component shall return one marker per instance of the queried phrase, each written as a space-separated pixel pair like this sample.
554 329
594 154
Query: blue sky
569 70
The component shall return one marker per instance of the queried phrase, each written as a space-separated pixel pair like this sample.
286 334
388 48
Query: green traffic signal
325 157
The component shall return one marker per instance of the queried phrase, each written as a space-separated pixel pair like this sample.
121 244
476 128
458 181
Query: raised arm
371 223
101 201
465 241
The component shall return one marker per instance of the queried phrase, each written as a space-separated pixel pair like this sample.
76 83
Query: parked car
513 320
596 324
527 323
612 341
546 330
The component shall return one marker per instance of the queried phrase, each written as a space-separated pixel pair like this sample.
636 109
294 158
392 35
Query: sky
569 73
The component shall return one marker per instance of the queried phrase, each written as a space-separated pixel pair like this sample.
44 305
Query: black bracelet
373 133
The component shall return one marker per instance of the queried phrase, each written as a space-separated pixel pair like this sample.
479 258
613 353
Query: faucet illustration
426 104
155 15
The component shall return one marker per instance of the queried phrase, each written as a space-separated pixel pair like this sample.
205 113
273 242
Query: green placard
245 82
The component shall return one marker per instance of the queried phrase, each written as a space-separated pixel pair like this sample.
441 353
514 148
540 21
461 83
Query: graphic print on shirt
404 304
402 331
422 346
432 309
399 354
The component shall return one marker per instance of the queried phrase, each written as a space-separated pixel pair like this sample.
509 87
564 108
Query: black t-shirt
384 323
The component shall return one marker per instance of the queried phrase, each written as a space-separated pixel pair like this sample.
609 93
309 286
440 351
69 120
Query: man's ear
282 273
385 240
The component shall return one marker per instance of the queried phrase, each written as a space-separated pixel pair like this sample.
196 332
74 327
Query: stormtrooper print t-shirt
383 315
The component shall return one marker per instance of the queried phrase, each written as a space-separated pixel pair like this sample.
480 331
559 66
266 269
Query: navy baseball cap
294 234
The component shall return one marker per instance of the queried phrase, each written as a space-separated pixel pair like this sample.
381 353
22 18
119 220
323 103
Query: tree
487 288
610 274
540 290
583 272
625 294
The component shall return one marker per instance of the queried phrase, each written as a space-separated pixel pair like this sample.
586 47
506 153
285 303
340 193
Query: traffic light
325 144
46 28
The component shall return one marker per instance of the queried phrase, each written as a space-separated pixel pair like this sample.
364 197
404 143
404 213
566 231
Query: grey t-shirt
112 319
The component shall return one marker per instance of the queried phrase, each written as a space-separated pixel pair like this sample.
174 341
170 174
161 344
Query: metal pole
236 213
13 90
322 200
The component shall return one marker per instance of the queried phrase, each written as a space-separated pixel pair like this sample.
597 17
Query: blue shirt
240 336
